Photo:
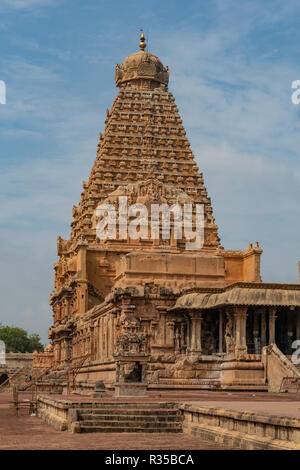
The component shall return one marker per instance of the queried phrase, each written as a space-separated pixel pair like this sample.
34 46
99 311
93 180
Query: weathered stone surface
130 389
99 386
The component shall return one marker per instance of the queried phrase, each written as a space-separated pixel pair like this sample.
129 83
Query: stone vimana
151 312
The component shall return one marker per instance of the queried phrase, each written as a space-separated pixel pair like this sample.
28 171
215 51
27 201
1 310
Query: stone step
123 428
130 424
199 384
142 418
130 417
174 387
129 412
243 387
132 405
180 381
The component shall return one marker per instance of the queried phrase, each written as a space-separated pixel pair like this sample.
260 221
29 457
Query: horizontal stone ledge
238 439
242 416
251 364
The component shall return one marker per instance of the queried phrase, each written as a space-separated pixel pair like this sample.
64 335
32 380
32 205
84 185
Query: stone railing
241 429
277 366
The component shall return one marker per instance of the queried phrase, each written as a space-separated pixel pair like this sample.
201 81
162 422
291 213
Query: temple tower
113 298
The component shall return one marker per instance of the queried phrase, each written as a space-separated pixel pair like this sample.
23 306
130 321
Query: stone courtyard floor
31 433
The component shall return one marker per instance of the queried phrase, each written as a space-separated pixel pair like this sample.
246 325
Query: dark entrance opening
286 326
3 378
210 332
133 372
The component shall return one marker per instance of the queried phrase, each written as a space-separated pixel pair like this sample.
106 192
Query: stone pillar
255 325
114 315
170 333
272 318
92 343
229 333
256 336
182 338
96 338
240 317
177 338
160 335
82 290
263 328
220 331
188 334
101 340
290 328
195 333
108 335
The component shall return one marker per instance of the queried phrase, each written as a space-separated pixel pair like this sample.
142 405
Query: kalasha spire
143 44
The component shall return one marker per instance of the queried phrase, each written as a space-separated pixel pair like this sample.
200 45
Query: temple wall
19 360
251 268
233 269
243 266
136 268
101 269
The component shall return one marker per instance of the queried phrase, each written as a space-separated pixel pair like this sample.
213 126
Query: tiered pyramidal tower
113 298
144 139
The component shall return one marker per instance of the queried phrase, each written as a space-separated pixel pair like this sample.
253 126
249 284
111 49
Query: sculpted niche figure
229 334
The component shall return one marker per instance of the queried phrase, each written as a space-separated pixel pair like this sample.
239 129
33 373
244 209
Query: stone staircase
16 378
129 417
282 374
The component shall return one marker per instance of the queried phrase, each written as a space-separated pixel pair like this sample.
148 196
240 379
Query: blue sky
231 63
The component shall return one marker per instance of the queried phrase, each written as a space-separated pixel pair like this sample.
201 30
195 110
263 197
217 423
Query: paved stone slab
273 408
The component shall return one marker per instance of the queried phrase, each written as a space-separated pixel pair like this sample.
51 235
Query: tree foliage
17 340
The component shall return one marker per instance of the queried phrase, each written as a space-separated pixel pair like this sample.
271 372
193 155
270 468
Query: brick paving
31 433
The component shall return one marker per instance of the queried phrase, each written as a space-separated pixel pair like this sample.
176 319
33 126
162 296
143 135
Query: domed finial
142 42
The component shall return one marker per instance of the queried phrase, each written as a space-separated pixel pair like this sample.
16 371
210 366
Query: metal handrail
35 380
74 371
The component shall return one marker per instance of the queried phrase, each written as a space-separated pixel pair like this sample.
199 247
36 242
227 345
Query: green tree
35 342
17 340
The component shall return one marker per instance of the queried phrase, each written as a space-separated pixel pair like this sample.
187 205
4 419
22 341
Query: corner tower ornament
151 310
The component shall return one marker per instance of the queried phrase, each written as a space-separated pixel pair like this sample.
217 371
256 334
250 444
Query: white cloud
26 4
